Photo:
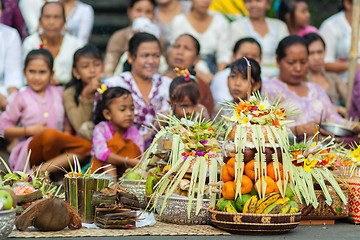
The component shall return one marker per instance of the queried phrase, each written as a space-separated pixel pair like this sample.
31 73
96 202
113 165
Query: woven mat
159 229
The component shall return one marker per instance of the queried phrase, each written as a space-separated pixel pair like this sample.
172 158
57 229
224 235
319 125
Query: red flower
254 108
41 45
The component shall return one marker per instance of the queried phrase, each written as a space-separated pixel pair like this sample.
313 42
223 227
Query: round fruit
246 184
270 169
225 176
240 202
270 185
133 176
166 168
231 166
250 169
6 199
277 189
249 154
228 190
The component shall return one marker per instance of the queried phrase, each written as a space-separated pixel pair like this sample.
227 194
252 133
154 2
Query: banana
273 209
230 207
294 204
269 199
219 202
294 209
283 201
285 209
250 205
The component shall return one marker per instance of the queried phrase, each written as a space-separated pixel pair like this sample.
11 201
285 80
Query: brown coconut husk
50 214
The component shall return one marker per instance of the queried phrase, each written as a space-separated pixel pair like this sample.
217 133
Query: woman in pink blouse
308 99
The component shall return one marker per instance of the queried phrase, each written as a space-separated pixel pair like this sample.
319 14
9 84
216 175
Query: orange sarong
51 143
120 146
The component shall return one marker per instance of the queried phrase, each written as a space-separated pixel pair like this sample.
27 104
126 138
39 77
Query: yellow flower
264 105
355 154
308 164
245 121
102 89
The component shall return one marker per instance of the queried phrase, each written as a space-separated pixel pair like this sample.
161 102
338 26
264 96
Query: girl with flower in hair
116 141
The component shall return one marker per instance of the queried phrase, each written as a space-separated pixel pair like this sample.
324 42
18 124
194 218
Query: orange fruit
228 190
231 166
276 189
246 184
250 170
270 169
225 176
166 168
270 185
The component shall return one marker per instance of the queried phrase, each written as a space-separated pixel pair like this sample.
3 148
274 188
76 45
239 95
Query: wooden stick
353 55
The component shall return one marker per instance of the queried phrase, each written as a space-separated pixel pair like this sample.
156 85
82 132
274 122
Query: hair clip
184 72
102 89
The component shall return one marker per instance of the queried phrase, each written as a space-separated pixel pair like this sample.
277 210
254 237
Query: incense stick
248 77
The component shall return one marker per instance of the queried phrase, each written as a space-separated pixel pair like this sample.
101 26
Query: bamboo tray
251 223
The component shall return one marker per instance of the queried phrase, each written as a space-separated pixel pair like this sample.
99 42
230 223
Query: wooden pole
353 56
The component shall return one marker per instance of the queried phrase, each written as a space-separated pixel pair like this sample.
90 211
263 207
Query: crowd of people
59 98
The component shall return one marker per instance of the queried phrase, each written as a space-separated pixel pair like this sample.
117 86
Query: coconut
51 214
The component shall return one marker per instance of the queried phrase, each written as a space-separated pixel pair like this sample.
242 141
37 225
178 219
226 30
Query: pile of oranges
248 180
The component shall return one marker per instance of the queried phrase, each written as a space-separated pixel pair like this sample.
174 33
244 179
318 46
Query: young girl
238 84
36 117
118 43
115 140
267 31
184 97
79 96
296 15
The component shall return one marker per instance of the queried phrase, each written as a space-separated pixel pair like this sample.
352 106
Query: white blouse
63 61
242 28
145 115
80 21
213 41
30 10
10 59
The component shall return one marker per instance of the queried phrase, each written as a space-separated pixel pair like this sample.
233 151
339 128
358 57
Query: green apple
151 181
6 199
133 176
219 202
289 193
239 203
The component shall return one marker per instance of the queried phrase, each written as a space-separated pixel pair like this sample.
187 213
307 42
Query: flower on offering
195 151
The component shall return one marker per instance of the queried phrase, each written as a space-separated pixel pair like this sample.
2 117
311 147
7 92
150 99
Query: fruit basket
176 211
7 219
248 223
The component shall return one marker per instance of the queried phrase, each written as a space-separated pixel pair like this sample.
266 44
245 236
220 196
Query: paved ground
341 230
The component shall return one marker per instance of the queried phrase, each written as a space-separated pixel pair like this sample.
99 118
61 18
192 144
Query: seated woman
184 53
79 96
79 19
336 32
10 62
150 91
245 47
119 41
296 15
267 31
212 31
164 13
332 83
61 45
307 98
36 116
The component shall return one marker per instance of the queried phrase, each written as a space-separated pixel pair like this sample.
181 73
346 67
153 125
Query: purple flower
198 153
30 178
185 157
203 142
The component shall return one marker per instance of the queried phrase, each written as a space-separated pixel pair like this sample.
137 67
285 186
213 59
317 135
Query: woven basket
251 223
176 211
336 210
354 199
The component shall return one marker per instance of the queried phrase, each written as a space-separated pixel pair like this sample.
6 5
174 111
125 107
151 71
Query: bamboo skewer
353 55
248 77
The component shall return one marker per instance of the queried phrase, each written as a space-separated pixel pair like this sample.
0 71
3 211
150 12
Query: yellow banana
283 201
250 205
229 207
273 209
269 199
285 209
294 209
